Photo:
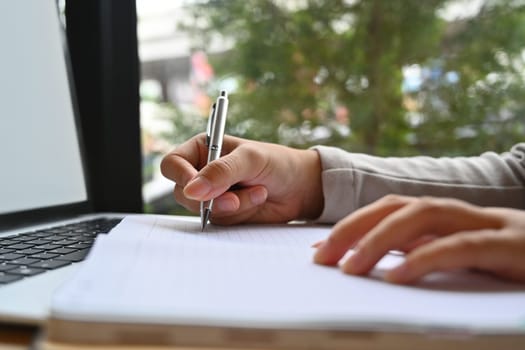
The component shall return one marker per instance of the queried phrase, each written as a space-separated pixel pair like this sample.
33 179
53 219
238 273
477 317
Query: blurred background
399 78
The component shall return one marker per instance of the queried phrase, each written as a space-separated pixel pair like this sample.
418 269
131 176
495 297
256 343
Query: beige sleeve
352 180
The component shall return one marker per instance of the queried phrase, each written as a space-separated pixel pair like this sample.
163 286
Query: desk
25 338
49 346
387 343
65 347
17 337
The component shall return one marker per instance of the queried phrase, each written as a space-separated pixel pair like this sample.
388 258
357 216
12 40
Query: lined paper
163 270
186 229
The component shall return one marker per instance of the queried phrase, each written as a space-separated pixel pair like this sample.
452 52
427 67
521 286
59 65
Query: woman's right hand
273 183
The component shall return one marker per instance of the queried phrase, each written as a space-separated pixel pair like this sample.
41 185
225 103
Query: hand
436 233
275 184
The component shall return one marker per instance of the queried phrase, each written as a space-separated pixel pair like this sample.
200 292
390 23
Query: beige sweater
352 180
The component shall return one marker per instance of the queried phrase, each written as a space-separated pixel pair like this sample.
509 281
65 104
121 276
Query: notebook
256 286
42 176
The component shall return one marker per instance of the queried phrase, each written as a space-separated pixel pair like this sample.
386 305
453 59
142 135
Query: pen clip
211 120
217 126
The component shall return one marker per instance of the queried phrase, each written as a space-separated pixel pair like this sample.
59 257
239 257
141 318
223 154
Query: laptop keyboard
32 253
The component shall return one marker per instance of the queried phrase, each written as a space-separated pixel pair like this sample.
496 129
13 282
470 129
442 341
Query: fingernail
323 250
197 188
398 274
354 264
317 244
258 196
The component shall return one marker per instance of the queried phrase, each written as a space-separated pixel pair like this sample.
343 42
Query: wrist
312 199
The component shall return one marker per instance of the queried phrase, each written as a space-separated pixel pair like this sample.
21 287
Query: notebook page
185 229
172 280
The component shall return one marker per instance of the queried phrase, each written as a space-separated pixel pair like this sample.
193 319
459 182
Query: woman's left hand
436 234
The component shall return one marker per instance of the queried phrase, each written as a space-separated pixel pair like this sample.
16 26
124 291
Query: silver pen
214 137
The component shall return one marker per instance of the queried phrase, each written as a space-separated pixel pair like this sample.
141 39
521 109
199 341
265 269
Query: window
383 77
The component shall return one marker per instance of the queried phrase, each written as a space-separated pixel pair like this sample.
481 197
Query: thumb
242 165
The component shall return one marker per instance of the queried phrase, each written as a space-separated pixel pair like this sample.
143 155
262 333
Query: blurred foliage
312 71
485 109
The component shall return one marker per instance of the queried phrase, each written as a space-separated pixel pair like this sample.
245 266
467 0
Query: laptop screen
39 148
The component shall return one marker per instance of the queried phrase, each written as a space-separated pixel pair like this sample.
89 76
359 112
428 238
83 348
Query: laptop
46 224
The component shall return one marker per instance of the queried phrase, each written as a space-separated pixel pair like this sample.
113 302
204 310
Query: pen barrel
211 119
217 131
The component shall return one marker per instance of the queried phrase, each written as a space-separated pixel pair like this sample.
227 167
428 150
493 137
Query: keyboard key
59 240
20 246
80 245
8 242
62 251
59 230
71 238
26 271
21 238
30 251
8 278
91 234
44 256
70 234
41 234
40 241
51 264
10 256
79 255
79 230
6 267
23 261
48 246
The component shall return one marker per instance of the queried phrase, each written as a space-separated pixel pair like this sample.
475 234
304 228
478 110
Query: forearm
352 180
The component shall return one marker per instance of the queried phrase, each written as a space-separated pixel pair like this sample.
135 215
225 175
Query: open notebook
162 280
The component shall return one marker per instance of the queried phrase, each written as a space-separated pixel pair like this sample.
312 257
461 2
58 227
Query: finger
240 166
417 243
462 250
349 230
428 216
251 210
245 216
245 213
180 198
181 164
229 204
239 201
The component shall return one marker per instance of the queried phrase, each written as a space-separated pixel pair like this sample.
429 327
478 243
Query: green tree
485 109
298 64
